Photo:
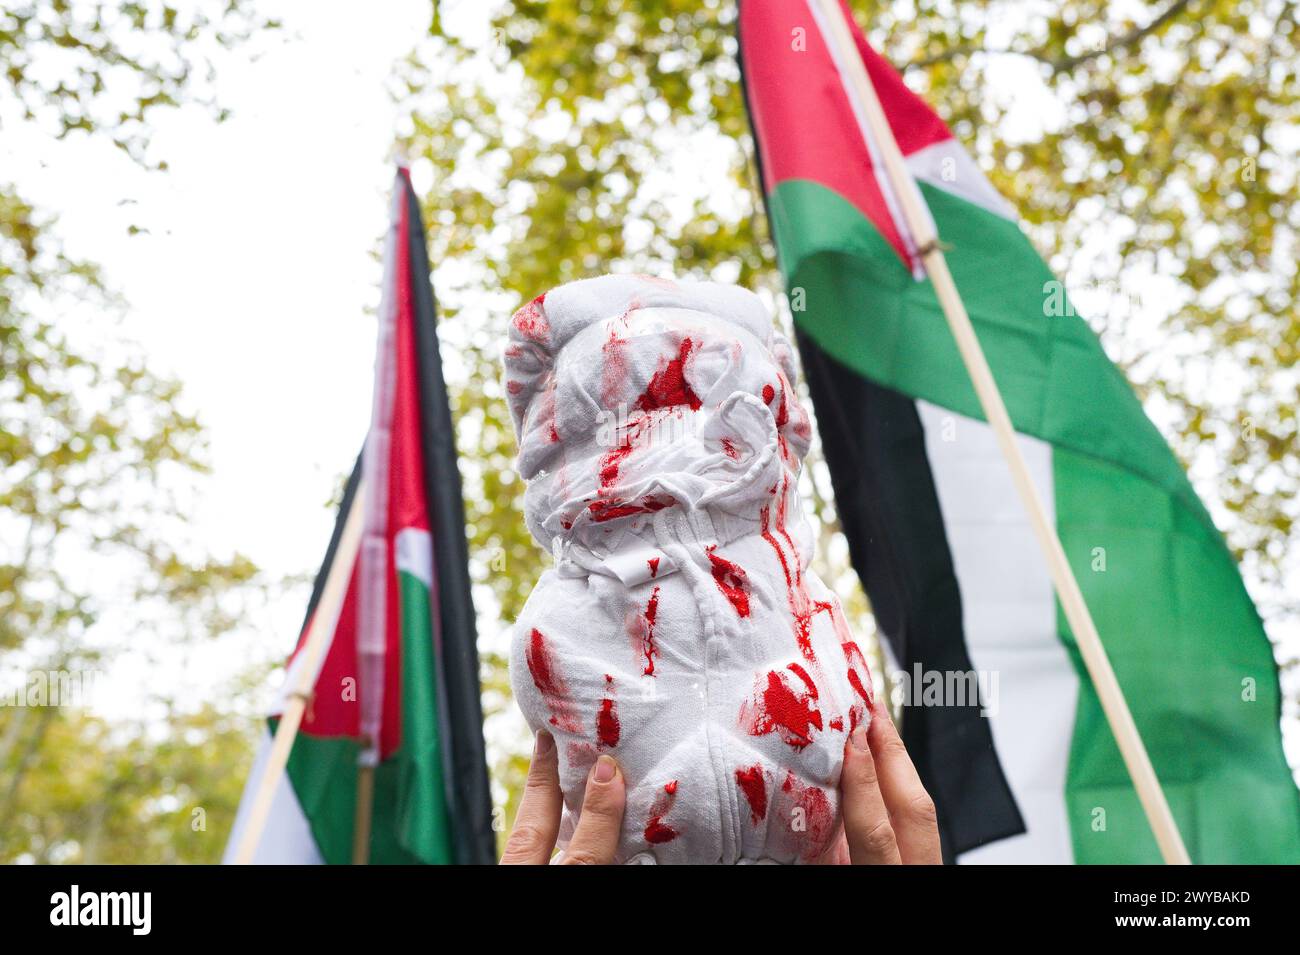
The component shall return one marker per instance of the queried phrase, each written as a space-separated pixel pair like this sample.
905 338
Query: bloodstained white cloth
681 629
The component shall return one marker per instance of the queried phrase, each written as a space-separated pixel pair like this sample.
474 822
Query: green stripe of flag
422 826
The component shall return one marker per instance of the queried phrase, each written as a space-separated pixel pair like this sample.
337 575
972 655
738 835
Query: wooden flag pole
323 622
923 232
365 809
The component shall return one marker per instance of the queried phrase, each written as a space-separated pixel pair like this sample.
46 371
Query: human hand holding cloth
888 816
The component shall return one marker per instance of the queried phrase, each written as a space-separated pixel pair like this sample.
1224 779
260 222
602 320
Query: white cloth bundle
682 630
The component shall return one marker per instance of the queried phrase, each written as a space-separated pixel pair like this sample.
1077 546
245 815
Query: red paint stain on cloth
859 672
530 321
542 412
782 413
607 725
648 647
613 374
802 607
611 462
778 706
802 674
782 410
657 832
859 676
582 756
812 809
754 786
550 683
731 580
602 511
668 387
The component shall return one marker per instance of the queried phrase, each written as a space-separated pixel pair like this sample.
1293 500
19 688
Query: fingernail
858 739
879 709
544 743
604 769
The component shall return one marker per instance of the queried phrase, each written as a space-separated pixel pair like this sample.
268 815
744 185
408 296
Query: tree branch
1062 64
1134 36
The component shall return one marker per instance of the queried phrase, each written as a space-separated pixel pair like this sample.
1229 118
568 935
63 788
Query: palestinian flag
937 533
398 688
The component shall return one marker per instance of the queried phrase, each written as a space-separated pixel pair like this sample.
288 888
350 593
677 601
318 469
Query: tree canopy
97 462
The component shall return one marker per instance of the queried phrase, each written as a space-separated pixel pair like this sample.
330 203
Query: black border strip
475 840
